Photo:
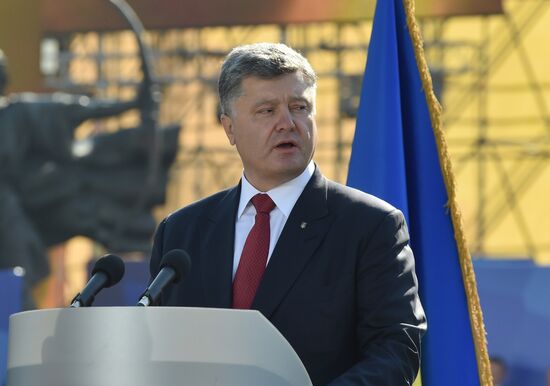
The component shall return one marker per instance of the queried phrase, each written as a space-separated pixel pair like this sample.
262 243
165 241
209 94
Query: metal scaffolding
497 157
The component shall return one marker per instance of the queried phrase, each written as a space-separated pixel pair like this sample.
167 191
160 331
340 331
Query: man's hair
497 360
263 60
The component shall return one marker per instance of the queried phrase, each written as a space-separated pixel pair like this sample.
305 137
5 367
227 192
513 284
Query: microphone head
112 266
179 261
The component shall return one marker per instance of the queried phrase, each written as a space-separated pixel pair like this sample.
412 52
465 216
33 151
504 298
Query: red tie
254 257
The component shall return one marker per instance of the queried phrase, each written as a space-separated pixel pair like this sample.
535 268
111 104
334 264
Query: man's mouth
285 145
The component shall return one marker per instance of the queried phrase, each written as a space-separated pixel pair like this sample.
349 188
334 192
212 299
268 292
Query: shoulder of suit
201 207
344 197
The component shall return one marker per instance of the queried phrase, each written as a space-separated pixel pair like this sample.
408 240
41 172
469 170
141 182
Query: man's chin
289 172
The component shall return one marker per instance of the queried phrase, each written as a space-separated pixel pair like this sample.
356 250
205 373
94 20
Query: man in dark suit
328 265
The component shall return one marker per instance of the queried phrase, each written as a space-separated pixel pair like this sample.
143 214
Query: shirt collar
284 196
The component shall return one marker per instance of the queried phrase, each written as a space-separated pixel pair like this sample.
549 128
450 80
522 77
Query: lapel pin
303 225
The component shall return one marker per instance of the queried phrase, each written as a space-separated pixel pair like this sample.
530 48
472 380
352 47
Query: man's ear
228 127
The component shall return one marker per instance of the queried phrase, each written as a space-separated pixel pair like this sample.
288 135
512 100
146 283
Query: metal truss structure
501 153
501 158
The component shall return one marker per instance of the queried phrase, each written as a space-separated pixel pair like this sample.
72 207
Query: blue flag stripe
395 157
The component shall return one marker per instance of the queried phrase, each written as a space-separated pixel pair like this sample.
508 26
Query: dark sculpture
53 187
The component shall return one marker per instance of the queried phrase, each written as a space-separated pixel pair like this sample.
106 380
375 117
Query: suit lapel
304 230
218 246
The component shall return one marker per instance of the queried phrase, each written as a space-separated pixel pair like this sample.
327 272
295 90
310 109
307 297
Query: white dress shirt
284 196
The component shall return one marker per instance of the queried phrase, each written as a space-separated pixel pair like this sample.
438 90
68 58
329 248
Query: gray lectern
153 346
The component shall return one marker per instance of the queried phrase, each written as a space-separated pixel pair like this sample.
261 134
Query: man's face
273 127
499 372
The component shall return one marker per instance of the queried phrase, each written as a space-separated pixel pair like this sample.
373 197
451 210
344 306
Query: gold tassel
474 308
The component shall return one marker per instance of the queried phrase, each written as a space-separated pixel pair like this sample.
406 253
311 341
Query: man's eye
300 108
265 111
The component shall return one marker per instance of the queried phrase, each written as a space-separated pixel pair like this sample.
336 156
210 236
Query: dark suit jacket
342 289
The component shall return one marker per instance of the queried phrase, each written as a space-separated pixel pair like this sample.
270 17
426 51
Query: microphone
107 271
174 267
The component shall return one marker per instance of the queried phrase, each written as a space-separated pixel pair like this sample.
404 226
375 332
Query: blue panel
516 311
11 291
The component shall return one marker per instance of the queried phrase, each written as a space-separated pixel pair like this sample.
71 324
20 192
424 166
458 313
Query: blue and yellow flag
399 154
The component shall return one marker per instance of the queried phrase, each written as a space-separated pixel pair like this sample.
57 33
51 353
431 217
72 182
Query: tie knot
263 203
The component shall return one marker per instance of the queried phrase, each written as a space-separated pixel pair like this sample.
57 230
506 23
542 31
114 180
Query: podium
159 346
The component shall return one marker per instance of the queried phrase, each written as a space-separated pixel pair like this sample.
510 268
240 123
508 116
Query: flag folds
399 154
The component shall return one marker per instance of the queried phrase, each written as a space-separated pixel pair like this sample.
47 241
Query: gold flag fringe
474 308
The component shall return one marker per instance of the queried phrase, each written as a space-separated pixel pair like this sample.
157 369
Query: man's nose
286 120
